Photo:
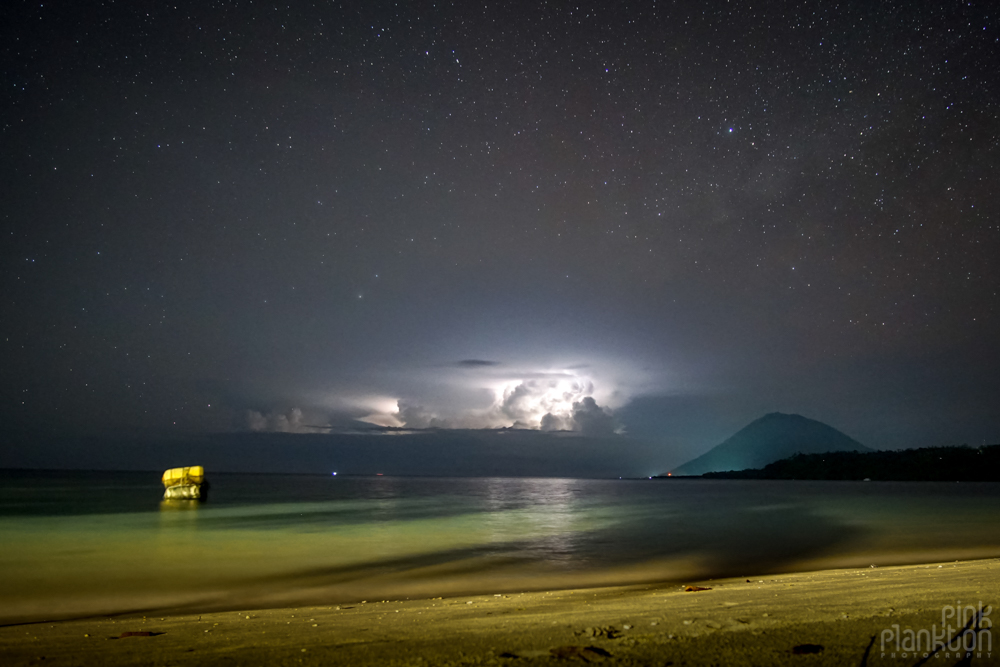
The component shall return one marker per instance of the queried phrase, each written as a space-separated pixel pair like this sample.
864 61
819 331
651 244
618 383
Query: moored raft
185 484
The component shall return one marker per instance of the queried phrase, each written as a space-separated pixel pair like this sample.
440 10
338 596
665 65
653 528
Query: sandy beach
830 617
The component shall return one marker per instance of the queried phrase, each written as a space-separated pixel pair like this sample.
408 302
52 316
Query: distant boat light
334 474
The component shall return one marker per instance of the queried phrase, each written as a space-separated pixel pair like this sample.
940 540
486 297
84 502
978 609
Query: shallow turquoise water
82 543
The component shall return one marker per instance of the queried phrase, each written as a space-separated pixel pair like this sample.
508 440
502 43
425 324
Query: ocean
79 544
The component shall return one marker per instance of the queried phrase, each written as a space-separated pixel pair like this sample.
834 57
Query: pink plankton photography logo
965 632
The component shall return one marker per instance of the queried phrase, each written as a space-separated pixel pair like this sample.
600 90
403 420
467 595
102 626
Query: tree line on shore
930 464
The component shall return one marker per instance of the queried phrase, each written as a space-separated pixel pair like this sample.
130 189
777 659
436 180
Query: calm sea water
79 543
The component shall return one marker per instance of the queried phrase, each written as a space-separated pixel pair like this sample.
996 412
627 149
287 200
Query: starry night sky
657 218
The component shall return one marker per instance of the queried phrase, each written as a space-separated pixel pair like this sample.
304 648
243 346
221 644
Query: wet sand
828 617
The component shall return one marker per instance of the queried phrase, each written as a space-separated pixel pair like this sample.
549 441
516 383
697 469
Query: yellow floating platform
185 484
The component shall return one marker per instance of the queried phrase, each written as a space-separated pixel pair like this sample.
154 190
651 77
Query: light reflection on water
67 545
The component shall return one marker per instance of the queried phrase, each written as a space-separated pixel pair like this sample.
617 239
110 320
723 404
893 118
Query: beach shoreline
826 617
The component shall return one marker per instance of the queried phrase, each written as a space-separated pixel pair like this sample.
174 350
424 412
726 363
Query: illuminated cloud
564 399
551 397
592 419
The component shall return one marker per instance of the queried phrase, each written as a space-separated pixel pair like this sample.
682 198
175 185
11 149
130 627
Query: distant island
783 446
773 437
929 464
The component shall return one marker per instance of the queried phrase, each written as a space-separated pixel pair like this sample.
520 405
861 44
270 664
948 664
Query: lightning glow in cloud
544 400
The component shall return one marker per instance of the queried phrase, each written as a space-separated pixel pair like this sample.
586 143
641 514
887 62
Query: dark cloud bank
438 452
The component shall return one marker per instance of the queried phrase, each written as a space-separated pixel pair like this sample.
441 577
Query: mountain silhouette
773 437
